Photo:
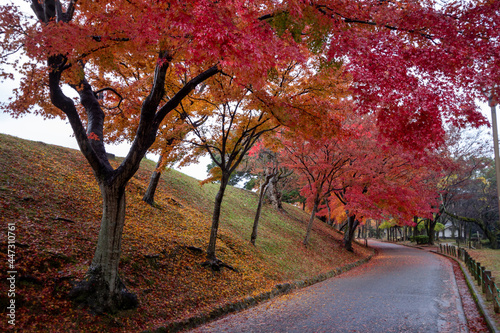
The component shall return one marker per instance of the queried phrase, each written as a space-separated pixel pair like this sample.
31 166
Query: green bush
485 242
422 239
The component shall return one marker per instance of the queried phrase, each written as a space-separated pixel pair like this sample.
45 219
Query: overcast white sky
59 132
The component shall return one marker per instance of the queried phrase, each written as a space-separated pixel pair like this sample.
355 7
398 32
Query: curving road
400 290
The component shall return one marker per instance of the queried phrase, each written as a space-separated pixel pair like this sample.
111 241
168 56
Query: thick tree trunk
149 196
212 259
352 223
311 221
431 233
102 288
415 227
273 193
431 230
263 188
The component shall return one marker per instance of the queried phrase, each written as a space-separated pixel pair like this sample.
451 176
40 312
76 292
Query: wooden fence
480 274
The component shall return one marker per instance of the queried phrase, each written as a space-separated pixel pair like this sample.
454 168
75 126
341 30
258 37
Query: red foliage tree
370 177
227 137
319 162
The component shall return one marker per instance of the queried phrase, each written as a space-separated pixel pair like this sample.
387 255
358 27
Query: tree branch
183 92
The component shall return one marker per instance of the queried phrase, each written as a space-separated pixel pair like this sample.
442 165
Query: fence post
477 269
489 286
472 268
496 306
484 278
479 274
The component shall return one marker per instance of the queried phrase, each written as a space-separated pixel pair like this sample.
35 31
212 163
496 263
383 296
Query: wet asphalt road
400 290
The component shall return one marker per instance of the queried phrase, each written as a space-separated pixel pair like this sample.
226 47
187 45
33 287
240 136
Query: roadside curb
476 295
248 302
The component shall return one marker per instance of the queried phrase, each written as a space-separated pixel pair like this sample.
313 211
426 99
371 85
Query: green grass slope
50 194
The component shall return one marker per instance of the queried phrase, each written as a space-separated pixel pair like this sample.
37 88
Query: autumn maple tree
382 181
265 165
319 162
235 125
360 175
413 65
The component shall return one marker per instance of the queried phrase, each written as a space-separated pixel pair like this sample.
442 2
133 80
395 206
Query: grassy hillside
51 195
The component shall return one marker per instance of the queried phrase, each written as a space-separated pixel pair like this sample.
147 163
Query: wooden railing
480 274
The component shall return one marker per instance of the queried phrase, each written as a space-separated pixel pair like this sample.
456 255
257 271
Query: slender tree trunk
102 288
263 188
311 221
215 219
352 223
149 196
329 221
378 229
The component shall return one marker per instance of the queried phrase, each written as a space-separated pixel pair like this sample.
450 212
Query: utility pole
493 104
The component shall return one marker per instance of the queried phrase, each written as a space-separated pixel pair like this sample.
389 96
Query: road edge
248 302
478 299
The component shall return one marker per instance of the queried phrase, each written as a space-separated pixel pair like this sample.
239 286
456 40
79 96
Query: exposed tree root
94 292
216 265
57 218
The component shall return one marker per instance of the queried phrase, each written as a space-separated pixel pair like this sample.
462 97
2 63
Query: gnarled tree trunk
274 194
102 288
491 235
